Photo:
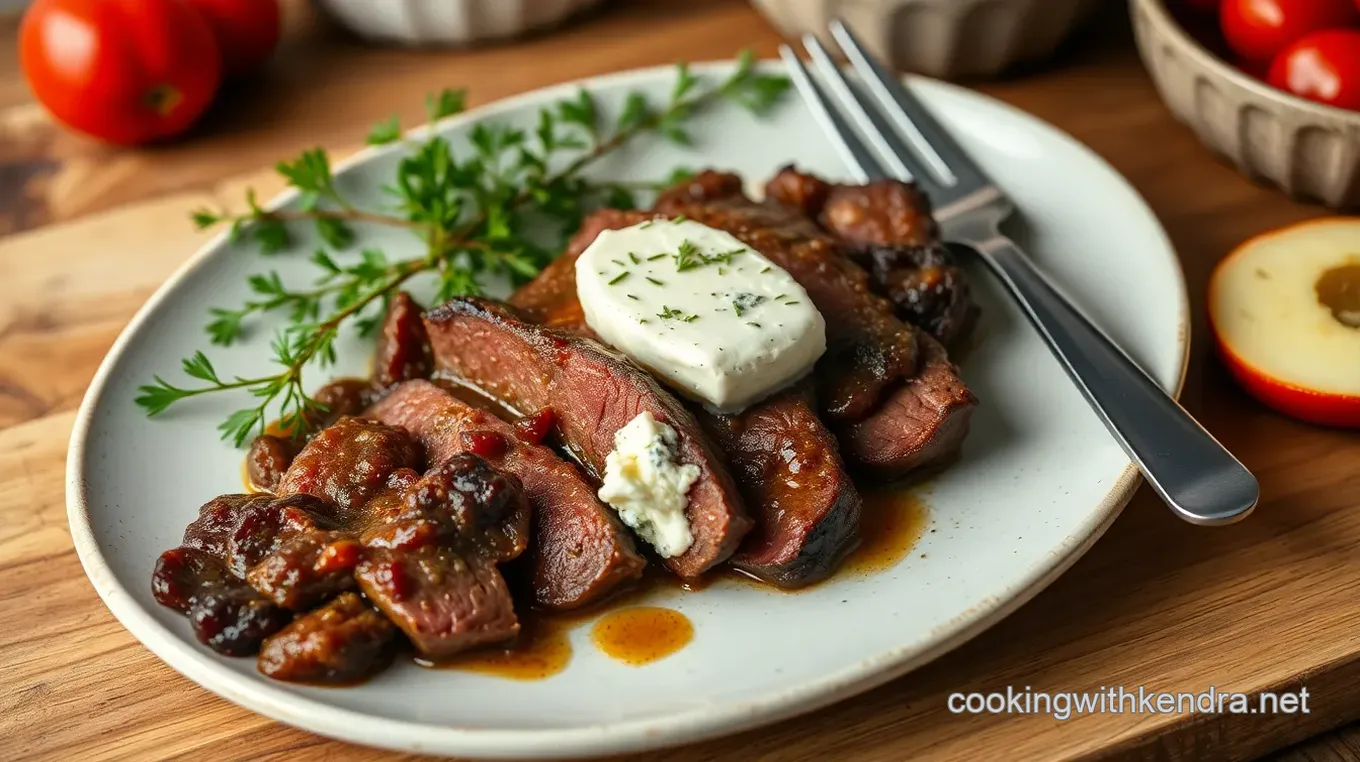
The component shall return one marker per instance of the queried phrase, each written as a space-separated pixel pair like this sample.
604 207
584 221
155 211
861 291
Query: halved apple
1285 310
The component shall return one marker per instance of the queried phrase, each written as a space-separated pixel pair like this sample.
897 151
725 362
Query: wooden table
89 231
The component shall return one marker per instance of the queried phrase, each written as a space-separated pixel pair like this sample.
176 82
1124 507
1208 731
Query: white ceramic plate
1039 480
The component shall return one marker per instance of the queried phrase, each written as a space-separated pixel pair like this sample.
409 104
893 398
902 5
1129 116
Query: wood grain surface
87 232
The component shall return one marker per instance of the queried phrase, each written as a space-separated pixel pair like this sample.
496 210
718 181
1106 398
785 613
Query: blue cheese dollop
702 311
646 485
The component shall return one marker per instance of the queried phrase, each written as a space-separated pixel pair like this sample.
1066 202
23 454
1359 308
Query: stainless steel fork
896 137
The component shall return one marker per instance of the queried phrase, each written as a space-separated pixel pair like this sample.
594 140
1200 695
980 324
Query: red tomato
1324 67
1259 29
125 71
247 30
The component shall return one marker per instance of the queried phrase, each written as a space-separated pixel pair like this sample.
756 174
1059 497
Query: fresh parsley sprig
476 212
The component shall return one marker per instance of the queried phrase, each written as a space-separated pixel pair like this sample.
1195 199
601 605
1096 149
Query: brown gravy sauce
892 522
629 629
542 650
640 635
1338 289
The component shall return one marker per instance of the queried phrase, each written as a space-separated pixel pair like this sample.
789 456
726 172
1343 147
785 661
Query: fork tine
890 147
856 154
925 133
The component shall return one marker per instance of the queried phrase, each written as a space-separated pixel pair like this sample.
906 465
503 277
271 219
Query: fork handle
1201 481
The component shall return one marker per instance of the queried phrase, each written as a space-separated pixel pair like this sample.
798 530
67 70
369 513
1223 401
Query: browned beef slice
869 351
579 551
550 299
225 613
268 460
893 235
403 352
594 393
805 507
444 602
289 548
241 529
217 521
463 503
930 290
307 567
339 398
349 462
808 508
920 427
923 416
340 642
882 211
261 527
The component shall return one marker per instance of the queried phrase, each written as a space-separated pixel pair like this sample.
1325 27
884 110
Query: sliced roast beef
919 428
880 212
341 642
403 351
594 392
339 398
445 602
890 231
218 518
305 568
923 414
430 557
462 503
349 462
579 552
806 508
869 351
268 460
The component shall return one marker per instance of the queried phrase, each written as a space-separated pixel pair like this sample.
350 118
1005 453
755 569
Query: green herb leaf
685 81
446 103
384 132
334 232
636 112
205 218
271 236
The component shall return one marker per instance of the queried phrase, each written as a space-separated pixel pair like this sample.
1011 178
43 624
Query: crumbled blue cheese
647 486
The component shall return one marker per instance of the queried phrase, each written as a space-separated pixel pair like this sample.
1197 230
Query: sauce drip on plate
542 650
640 635
890 525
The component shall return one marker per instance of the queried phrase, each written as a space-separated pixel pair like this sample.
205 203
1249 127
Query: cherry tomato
125 71
1324 67
1259 29
247 30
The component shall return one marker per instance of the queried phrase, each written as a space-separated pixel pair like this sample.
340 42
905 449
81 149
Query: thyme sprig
478 212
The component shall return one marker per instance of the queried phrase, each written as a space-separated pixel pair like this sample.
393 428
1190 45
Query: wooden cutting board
89 232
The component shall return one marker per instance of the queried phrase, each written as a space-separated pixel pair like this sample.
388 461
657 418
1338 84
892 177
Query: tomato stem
163 99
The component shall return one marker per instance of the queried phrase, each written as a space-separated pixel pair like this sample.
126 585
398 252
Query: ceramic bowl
1310 150
449 22
951 39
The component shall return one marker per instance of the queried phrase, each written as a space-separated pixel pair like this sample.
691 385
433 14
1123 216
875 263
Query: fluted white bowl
449 22
951 39
1309 150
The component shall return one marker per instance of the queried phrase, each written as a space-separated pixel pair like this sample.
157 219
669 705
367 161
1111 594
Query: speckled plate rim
605 738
